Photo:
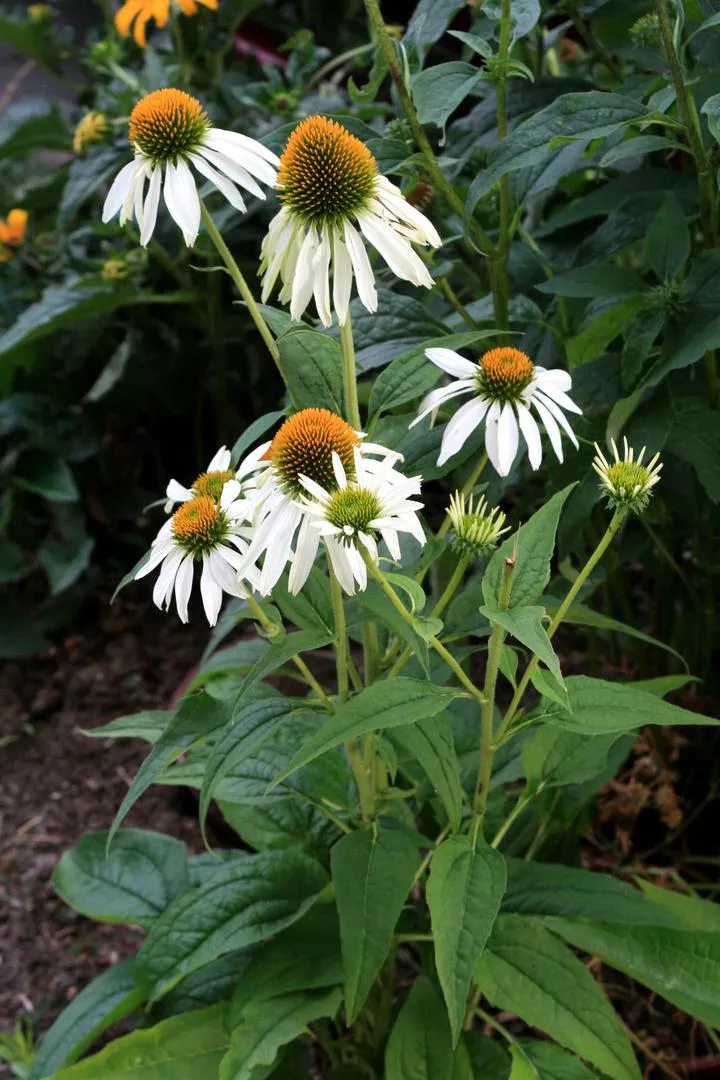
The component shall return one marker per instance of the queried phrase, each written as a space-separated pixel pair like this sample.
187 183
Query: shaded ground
57 784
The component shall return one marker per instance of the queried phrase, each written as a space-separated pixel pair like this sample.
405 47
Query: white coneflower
476 528
353 514
302 448
207 531
217 474
169 132
330 187
505 385
627 482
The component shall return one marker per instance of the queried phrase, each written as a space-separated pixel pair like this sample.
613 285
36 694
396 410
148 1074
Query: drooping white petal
436 398
224 186
491 436
321 279
181 199
150 210
210 592
461 427
560 379
220 460
303 283
183 587
508 438
342 277
225 162
549 388
340 565
118 192
558 414
452 363
304 557
175 492
392 198
166 578
243 142
397 252
277 553
531 434
363 270
550 426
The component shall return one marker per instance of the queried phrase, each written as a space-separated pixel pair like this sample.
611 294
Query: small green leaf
46 475
438 90
65 561
464 891
526 625
602 330
372 872
251 434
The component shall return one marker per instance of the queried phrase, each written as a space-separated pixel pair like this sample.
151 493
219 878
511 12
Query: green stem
691 121
308 677
487 751
451 588
242 287
371 652
457 303
352 409
480 237
439 648
524 800
336 62
606 539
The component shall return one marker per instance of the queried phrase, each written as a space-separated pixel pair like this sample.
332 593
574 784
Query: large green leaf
526 625
667 244
209 985
553 1063
580 615
420 1044
553 757
312 363
598 707
372 872
134 883
680 965
691 910
593 339
198 716
598 282
187 1047
527 971
431 743
532 548
243 903
544 889
438 90
103 1002
47 475
282 651
267 1026
464 891
384 705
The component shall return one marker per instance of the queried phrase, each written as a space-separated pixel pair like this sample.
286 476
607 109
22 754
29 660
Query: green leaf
597 282
46 475
522 1067
420 1044
187 1047
251 434
527 971
544 889
65 561
372 872
553 757
667 244
400 323
198 716
241 904
589 115
312 363
147 725
526 625
13 563
30 40
438 90
414 592
282 651
306 956
431 743
477 44
598 708
267 1026
311 608
553 1063
209 985
682 966
489 1059
100 1004
692 911
636 146
532 548
384 705
698 329
86 176
602 330
133 884
366 94
580 615
464 891
524 15
695 437
373 599
251 724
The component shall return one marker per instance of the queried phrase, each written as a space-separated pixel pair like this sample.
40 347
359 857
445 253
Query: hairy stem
352 409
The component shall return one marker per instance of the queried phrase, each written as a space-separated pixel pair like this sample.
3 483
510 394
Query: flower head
207 531
328 183
476 528
140 12
355 513
305 448
211 483
12 232
170 131
92 128
505 385
627 482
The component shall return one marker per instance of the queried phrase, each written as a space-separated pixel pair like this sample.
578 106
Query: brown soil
57 785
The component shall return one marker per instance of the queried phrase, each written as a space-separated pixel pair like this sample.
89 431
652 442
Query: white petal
342 277
150 211
395 250
531 434
118 192
246 143
304 557
559 416
452 363
436 398
166 577
340 565
210 591
177 493
303 285
550 426
461 427
560 379
338 470
224 186
183 587
220 461
551 390
491 436
226 163
278 550
392 198
508 438
230 491
321 279
157 553
363 270
181 199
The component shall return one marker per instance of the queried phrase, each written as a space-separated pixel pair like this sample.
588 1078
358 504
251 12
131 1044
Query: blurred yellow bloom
40 13
12 232
115 270
141 11
92 128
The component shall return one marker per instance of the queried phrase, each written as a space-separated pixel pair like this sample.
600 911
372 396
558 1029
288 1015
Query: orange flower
12 232
141 11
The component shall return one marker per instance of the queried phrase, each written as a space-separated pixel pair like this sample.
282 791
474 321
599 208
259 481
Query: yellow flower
12 232
39 13
141 11
92 128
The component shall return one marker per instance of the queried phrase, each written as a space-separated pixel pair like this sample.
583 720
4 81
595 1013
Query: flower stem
242 287
487 749
524 800
480 237
606 539
439 648
451 587
352 409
